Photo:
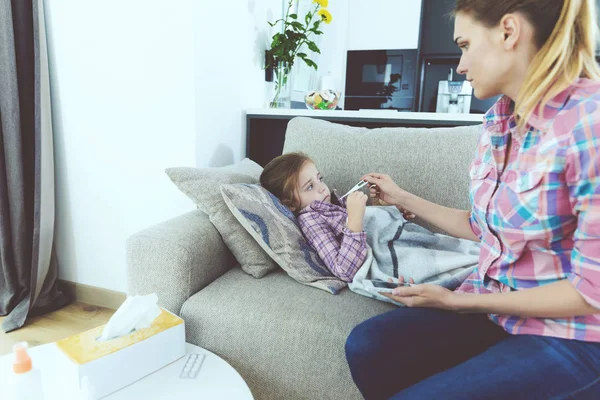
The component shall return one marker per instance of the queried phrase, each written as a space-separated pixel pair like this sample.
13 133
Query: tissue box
116 363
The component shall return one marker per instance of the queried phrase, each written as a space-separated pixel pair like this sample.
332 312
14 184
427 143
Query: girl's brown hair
281 176
565 34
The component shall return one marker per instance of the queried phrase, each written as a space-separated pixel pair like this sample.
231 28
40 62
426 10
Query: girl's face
311 186
484 61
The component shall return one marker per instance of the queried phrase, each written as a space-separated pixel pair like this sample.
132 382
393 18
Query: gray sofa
284 338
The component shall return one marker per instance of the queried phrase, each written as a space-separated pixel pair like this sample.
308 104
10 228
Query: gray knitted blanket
401 248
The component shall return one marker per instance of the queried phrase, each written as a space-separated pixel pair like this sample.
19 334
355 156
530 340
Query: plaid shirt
539 220
324 226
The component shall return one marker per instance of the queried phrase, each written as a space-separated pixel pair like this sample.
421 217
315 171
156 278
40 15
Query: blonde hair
565 34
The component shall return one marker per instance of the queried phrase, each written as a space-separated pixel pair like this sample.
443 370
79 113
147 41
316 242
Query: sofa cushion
286 341
430 163
276 230
202 186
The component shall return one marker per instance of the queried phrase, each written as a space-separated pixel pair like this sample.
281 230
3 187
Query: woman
526 324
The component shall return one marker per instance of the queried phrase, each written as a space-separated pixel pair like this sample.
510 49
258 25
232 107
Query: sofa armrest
176 258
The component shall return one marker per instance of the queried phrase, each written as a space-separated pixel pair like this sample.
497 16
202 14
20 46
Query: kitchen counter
265 127
368 116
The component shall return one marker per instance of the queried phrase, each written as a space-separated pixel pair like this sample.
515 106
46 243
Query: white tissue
137 312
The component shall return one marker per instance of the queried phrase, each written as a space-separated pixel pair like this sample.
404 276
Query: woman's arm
555 300
455 222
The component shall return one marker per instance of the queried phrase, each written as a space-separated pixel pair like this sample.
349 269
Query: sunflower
325 15
322 3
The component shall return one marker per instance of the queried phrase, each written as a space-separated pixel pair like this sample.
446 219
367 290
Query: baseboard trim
92 295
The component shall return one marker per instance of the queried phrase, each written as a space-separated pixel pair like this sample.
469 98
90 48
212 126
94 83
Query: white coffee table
216 379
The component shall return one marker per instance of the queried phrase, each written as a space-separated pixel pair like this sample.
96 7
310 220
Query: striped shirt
538 218
324 226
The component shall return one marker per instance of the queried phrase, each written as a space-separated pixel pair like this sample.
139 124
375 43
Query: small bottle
26 381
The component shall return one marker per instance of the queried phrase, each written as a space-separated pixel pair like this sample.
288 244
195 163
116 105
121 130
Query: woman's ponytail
569 53
566 33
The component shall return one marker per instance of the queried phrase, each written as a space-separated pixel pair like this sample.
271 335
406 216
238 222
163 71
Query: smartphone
383 286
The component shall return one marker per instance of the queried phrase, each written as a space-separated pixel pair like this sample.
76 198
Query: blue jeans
413 353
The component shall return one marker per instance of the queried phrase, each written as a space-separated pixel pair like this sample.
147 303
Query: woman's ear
511 25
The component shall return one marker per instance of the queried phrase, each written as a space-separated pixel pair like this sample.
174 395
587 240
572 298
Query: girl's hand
425 295
356 204
384 189
406 214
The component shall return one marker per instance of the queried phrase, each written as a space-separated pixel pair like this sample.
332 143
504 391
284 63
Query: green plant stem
305 29
287 13
284 46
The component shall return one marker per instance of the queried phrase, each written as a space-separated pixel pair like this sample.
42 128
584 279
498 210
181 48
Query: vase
282 97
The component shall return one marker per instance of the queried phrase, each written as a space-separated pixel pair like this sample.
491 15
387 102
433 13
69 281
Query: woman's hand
425 295
384 189
356 204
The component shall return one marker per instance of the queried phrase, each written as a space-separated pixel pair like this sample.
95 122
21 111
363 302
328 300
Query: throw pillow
202 186
274 227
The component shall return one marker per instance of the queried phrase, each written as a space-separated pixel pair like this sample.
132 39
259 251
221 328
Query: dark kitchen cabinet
437 28
439 54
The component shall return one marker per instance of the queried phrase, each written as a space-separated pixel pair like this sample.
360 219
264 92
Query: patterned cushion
202 186
274 227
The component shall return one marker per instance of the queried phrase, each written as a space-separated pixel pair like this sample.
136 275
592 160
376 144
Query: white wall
142 85
363 25
332 60
229 56
123 110
383 24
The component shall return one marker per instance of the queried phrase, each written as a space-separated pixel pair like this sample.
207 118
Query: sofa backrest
432 163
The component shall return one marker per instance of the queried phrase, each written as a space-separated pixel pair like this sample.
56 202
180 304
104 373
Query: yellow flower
322 3
325 15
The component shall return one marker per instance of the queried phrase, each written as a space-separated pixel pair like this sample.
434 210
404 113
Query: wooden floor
74 318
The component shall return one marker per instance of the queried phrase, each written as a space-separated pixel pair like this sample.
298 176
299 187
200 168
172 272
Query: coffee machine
454 96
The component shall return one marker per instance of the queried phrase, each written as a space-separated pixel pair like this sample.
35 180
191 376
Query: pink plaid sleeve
342 258
583 178
475 226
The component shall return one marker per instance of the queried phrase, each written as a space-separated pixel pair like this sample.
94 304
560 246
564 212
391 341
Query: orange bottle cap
22 362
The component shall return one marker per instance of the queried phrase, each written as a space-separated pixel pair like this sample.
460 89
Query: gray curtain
28 270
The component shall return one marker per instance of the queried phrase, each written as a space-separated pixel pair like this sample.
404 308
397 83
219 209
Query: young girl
333 227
